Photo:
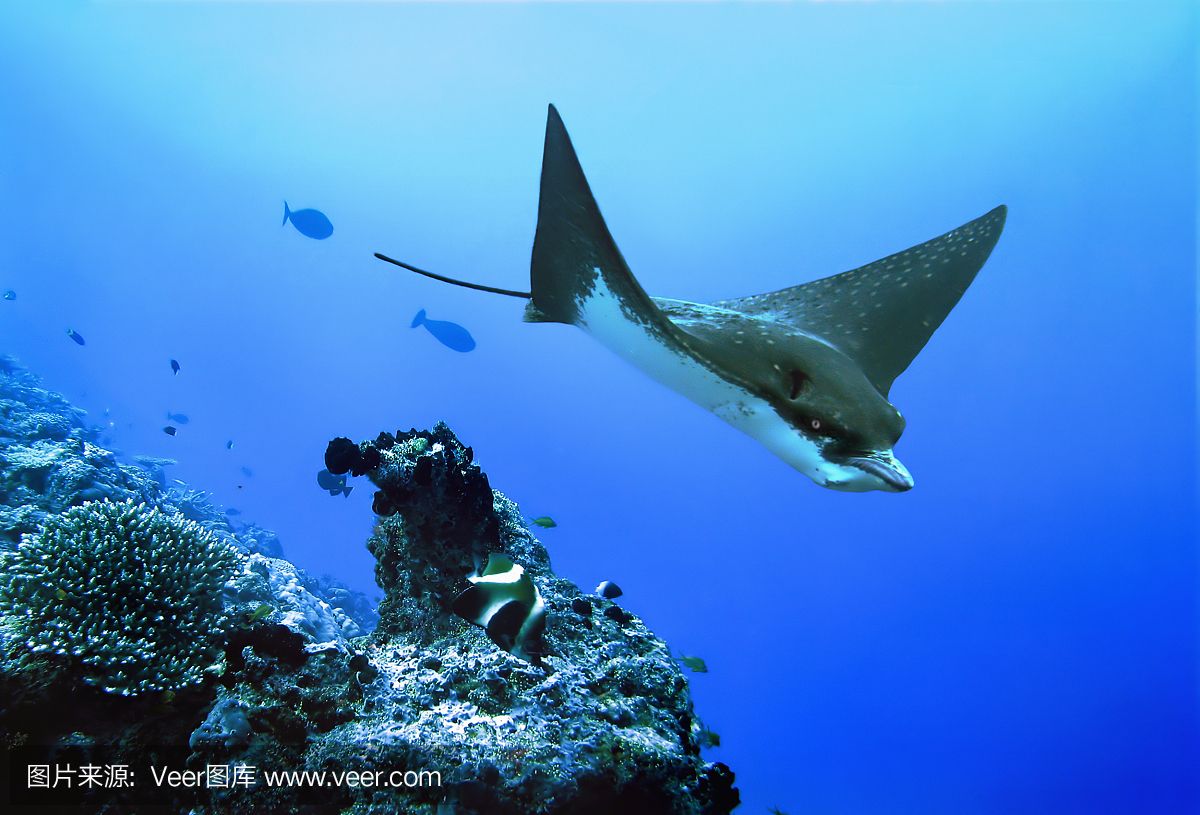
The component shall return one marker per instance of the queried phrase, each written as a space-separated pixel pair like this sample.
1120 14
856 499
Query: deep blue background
1016 635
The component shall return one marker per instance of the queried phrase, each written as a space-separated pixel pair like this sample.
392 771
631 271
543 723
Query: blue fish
178 418
311 223
229 444
451 335
10 295
175 366
333 484
73 334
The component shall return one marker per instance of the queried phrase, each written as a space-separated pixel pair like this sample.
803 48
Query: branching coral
125 595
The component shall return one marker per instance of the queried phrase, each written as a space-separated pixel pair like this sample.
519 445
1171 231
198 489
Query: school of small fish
314 224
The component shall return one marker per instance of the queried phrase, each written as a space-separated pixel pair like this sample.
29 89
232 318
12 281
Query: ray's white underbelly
601 316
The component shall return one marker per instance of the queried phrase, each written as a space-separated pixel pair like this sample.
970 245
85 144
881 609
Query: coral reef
122 595
438 523
601 720
50 461
278 584
596 719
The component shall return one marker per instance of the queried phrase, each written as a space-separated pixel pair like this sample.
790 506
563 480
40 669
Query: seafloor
144 629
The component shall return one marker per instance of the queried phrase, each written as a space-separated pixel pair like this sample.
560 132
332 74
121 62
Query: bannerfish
75 335
169 430
333 484
609 590
451 335
311 223
805 370
10 295
544 521
175 367
177 418
504 601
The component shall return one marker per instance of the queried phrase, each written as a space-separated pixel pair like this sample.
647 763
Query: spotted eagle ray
804 370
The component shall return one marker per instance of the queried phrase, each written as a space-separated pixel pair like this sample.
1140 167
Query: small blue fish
178 418
246 471
229 444
451 335
609 590
10 295
73 334
311 223
333 484
169 430
175 366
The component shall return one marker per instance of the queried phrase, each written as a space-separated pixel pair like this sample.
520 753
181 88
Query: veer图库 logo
85 776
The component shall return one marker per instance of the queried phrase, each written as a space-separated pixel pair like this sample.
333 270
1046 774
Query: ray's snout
891 472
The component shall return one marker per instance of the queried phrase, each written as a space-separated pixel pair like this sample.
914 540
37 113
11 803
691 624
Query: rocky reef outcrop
431 711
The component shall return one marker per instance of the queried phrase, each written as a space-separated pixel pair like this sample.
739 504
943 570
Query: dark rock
717 787
617 615
368 461
278 642
341 455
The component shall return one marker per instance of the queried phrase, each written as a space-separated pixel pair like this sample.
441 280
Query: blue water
1015 635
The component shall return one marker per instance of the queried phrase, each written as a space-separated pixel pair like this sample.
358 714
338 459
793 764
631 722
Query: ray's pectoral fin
577 272
882 314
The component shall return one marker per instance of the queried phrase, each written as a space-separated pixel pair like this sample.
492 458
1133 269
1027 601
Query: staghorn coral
124 596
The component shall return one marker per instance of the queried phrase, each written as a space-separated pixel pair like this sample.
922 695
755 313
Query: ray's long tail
476 286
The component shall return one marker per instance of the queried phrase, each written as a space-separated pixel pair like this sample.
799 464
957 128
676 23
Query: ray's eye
799 381
825 428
